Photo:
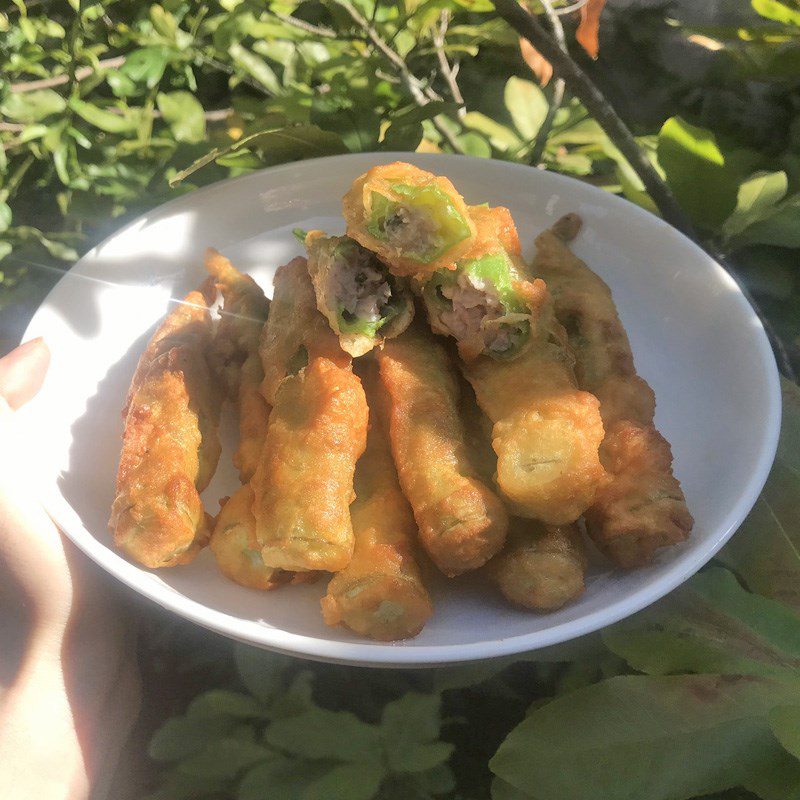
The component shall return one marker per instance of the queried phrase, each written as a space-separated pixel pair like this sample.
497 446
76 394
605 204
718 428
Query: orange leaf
539 65
589 27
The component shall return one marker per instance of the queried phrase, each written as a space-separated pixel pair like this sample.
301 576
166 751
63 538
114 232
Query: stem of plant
559 86
598 106
582 86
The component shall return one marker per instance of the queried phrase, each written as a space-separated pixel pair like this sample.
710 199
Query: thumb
22 372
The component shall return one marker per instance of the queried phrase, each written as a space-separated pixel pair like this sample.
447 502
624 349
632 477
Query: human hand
66 651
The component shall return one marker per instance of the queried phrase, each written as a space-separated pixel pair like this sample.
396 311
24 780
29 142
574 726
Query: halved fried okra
415 221
361 300
486 303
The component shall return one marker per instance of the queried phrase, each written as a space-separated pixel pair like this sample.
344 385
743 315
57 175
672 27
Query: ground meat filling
475 307
359 285
409 229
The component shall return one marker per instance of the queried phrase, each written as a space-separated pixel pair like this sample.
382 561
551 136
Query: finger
22 372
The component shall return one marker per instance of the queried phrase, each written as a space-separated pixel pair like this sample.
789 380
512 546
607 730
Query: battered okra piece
380 592
541 567
363 303
295 333
486 303
234 545
303 486
235 356
641 508
546 432
170 446
462 523
415 221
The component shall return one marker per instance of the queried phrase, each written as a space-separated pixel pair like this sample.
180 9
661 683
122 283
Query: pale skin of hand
69 683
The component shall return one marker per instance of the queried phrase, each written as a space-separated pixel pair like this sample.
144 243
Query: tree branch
449 73
308 27
559 86
59 80
421 93
585 90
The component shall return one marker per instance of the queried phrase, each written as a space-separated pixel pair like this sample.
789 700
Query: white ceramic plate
695 338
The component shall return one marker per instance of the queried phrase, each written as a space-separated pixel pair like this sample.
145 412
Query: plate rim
399 654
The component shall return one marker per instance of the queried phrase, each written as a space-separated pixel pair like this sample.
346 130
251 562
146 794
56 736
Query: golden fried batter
546 432
235 356
642 507
304 482
170 445
542 566
295 333
232 543
415 221
380 592
462 524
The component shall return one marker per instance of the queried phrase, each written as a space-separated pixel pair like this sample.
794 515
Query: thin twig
59 80
585 90
449 73
308 27
412 83
420 92
598 106
557 98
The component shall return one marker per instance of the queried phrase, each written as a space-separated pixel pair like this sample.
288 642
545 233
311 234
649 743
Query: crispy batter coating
235 356
641 508
304 482
380 592
295 333
170 446
234 546
462 524
542 566
387 182
546 431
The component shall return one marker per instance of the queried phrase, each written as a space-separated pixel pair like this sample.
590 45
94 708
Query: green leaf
184 115
179 786
5 217
712 625
32 106
501 137
280 779
413 718
756 199
527 105
648 738
179 737
501 790
256 68
5 249
100 118
765 551
120 83
357 125
224 759
775 10
785 724
359 781
261 671
146 65
319 733
691 158
779 227
222 703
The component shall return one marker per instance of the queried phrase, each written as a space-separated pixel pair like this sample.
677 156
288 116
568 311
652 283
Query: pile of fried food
473 435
